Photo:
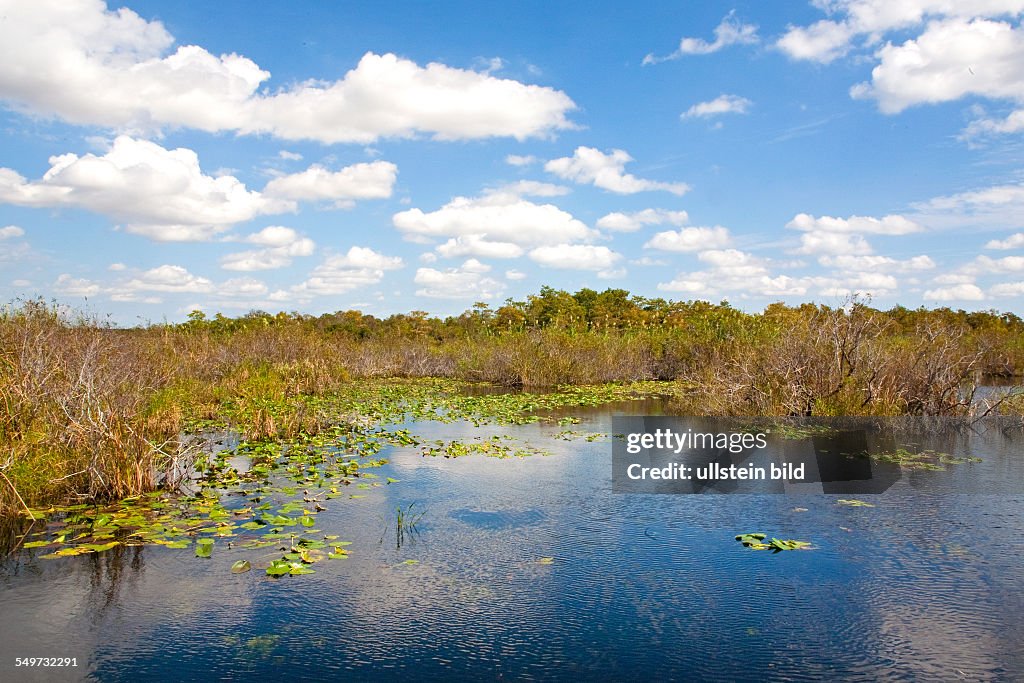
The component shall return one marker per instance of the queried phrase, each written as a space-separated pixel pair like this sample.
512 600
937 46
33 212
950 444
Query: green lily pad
240 567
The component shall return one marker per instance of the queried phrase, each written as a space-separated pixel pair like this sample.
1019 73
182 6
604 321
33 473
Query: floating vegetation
851 502
756 541
546 560
491 447
921 460
796 432
571 435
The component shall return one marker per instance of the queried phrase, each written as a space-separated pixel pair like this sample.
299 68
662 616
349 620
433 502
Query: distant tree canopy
610 311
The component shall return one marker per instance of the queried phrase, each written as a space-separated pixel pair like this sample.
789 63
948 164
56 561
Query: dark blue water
926 585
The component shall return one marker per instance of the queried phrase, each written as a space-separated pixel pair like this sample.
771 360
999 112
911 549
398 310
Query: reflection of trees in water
13 530
110 572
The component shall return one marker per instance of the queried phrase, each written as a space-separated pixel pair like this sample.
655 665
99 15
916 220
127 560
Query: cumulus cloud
887 225
607 171
502 218
853 263
733 272
723 104
242 286
959 49
690 239
374 180
167 278
731 31
825 40
1007 289
10 231
1015 241
359 267
160 193
281 246
631 222
468 281
985 264
88 65
833 243
72 286
476 245
515 275
822 41
962 292
950 60
575 256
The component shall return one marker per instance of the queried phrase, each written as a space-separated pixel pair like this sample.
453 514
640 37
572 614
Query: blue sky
313 156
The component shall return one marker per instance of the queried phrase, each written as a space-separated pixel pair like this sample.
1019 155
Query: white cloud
1007 289
828 39
373 180
87 65
631 222
723 104
822 41
515 275
282 245
963 292
853 263
732 272
1015 241
999 207
359 267
690 239
465 282
950 60
521 159
167 278
531 188
159 193
607 171
21 283
730 31
496 217
833 243
10 231
953 279
887 225
985 264
72 286
1013 123
243 286
475 245
289 156
575 256
647 261
117 267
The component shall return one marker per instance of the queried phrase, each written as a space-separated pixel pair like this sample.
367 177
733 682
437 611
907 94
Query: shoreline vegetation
91 412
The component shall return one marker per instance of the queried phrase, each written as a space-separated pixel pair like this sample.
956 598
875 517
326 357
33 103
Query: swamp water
531 568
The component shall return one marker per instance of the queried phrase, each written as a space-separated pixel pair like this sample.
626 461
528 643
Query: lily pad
240 567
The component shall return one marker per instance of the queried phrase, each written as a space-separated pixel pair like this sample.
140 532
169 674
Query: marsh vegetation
91 412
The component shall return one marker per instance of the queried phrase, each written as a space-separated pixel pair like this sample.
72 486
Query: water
926 585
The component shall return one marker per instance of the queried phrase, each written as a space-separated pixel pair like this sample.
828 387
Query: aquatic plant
756 541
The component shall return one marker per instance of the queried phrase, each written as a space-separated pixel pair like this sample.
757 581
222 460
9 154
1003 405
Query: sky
158 158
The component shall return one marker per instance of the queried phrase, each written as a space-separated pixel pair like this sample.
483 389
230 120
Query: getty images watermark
657 454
